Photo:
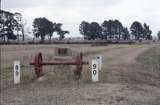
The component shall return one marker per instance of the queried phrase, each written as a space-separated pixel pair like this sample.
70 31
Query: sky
72 12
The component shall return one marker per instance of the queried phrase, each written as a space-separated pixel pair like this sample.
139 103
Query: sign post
95 70
99 59
16 72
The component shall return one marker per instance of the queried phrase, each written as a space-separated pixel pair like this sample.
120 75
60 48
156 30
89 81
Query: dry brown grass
123 81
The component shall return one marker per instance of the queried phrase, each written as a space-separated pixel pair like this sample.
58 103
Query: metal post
0 4
17 70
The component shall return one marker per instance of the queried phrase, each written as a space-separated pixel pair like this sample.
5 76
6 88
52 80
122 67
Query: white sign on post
99 59
16 72
95 71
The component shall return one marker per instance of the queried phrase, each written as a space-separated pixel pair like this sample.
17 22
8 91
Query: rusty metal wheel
38 64
78 70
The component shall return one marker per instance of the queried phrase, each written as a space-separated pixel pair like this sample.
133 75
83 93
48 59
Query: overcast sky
72 12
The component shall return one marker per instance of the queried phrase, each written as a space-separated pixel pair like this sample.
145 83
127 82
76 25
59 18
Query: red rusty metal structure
39 63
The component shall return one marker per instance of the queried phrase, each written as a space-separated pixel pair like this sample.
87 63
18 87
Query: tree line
114 29
12 27
43 27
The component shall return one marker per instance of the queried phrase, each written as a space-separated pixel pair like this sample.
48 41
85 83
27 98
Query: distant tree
111 29
136 30
62 34
23 28
147 32
125 34
95 30
158 34
118 28
10 25
57 27
18 17
84 29
90 30
107 29
21 23
7 25
52 30
42 27
60 31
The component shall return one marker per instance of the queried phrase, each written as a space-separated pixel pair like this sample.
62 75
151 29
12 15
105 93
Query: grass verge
150 59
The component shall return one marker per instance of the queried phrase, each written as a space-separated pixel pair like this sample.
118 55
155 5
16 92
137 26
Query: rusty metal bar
58 63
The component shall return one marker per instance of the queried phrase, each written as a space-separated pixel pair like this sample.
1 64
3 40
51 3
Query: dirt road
122 82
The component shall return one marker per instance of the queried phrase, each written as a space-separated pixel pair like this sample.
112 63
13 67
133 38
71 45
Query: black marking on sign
94 66
94 72
17 67
17 73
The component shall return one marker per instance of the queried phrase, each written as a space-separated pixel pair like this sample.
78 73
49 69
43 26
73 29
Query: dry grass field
130 75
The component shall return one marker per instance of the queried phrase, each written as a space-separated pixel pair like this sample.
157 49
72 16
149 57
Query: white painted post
99 59
16 72
95 71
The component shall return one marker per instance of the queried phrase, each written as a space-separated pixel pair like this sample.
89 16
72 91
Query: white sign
99 59
95 71
16 72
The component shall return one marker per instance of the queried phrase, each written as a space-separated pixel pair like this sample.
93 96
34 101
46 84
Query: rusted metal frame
38 64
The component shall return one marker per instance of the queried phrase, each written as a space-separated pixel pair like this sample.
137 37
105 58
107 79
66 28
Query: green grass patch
150 59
